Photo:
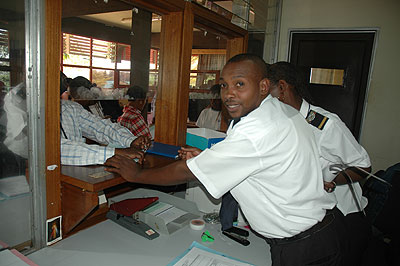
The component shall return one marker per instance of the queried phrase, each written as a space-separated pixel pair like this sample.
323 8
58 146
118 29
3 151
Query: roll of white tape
197 224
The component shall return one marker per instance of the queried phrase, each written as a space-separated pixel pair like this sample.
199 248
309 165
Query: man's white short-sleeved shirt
270 163
337 145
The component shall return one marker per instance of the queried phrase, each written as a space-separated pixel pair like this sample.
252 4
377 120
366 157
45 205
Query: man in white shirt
269 163
337 146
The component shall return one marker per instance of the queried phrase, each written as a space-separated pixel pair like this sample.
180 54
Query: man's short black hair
80 81
291 74
63 83
136 93
216 89
251 57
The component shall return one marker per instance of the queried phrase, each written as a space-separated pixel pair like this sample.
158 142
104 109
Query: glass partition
207 60
15 193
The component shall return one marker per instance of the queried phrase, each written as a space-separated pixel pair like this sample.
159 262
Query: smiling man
269 163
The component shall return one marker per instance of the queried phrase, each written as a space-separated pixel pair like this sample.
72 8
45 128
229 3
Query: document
165 211
199 255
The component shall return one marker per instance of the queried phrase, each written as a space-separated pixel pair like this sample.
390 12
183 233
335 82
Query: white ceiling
121 19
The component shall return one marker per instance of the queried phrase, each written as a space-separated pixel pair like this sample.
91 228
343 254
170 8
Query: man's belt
329 217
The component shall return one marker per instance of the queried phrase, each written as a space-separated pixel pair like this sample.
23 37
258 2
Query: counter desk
107 243
80 193
91 239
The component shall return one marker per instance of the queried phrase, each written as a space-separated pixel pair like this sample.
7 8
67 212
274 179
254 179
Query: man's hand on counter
123 166
186 153
130 153
141 143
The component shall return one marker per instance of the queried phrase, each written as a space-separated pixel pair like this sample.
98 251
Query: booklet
162 149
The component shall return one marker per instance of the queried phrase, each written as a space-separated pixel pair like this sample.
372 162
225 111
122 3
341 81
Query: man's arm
355 175
171 174
104 131
79 153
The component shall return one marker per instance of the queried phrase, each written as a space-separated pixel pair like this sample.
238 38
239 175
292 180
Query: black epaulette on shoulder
316 119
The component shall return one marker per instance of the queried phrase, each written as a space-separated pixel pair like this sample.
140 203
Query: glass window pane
327 76
124 78
73 72
202 80
15 195
104 79
123 56
76 50
4 62
153 79
192 82
4 81
4 44
154 59
194 62
103 54
4 48
205 80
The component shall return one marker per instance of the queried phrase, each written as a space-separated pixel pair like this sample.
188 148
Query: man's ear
264 86
283 85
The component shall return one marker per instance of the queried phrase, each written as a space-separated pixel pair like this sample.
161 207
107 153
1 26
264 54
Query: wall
381 127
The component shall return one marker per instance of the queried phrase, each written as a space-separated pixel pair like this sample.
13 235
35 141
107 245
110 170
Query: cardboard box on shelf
203 138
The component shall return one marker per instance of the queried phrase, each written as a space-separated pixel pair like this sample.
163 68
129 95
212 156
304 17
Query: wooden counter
80 192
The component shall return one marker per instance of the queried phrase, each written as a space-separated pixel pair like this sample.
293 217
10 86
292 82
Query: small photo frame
53 232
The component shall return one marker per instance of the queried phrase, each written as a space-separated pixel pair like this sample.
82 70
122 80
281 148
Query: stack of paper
198 254
165 211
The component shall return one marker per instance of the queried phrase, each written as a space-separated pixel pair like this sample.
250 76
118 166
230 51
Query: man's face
241 88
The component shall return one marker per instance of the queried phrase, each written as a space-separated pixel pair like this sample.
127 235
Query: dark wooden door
346 53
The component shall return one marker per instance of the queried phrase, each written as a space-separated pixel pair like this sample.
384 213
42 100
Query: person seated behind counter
131 117
210 117
77 123
269 161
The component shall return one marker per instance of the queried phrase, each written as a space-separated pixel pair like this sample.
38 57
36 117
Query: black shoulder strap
62 129
316 119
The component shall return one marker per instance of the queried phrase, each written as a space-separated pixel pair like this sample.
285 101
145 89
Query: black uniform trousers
360 232
326 243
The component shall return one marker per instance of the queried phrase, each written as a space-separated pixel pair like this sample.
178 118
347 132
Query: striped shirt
77 123
133 120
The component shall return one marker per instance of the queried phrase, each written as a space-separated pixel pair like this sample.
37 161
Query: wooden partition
173 93
52 72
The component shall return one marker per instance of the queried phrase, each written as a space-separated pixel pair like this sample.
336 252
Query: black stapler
123 212
237 234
